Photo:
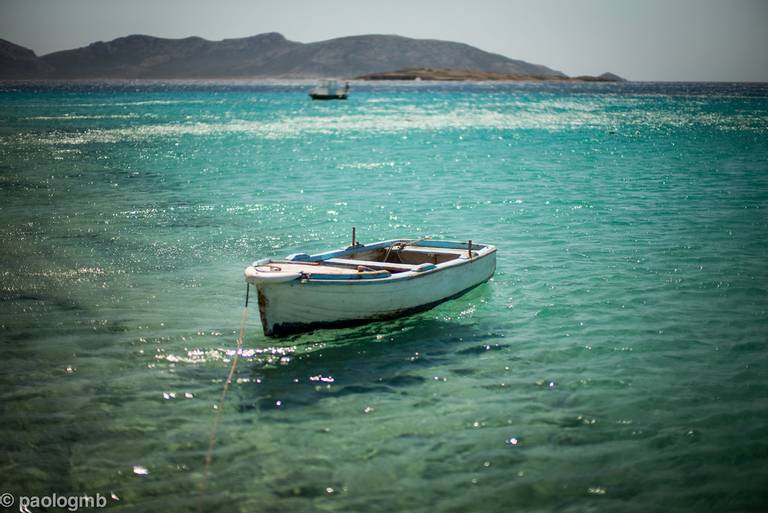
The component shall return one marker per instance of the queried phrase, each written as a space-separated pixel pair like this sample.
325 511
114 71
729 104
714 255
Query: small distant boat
329 90
365 282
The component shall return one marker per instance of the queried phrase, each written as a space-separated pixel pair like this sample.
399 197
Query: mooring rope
402 244
220 406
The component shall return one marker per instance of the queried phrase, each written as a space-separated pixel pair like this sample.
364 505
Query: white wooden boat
364 283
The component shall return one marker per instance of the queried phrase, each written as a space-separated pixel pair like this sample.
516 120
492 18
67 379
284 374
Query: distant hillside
262 56
153 57
605 77
450 75
19 62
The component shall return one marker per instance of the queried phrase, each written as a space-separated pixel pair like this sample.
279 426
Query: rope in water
220 406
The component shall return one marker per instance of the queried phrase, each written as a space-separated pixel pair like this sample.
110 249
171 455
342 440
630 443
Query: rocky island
271 55
470 74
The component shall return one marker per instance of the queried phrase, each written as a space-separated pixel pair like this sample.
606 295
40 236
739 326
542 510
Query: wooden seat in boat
389 266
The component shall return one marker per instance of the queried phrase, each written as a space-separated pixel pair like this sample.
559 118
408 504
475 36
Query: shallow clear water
616 362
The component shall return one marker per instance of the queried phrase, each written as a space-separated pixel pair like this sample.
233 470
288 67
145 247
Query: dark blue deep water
618 361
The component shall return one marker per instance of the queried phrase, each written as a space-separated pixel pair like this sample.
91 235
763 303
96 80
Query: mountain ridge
19 62
266 55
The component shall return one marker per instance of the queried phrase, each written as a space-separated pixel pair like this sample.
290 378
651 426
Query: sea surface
617 361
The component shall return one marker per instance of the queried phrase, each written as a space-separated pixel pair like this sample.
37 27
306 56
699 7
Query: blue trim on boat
348 277
407 275
445 244
379 278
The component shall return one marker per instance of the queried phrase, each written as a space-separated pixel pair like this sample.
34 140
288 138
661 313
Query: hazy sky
639 39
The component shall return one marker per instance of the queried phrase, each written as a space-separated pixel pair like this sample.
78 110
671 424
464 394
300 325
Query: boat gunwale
445 244
483 251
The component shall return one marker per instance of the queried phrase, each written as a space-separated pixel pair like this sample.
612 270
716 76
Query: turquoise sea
618 360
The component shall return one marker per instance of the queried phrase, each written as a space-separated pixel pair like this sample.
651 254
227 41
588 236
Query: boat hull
315 96
304 305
